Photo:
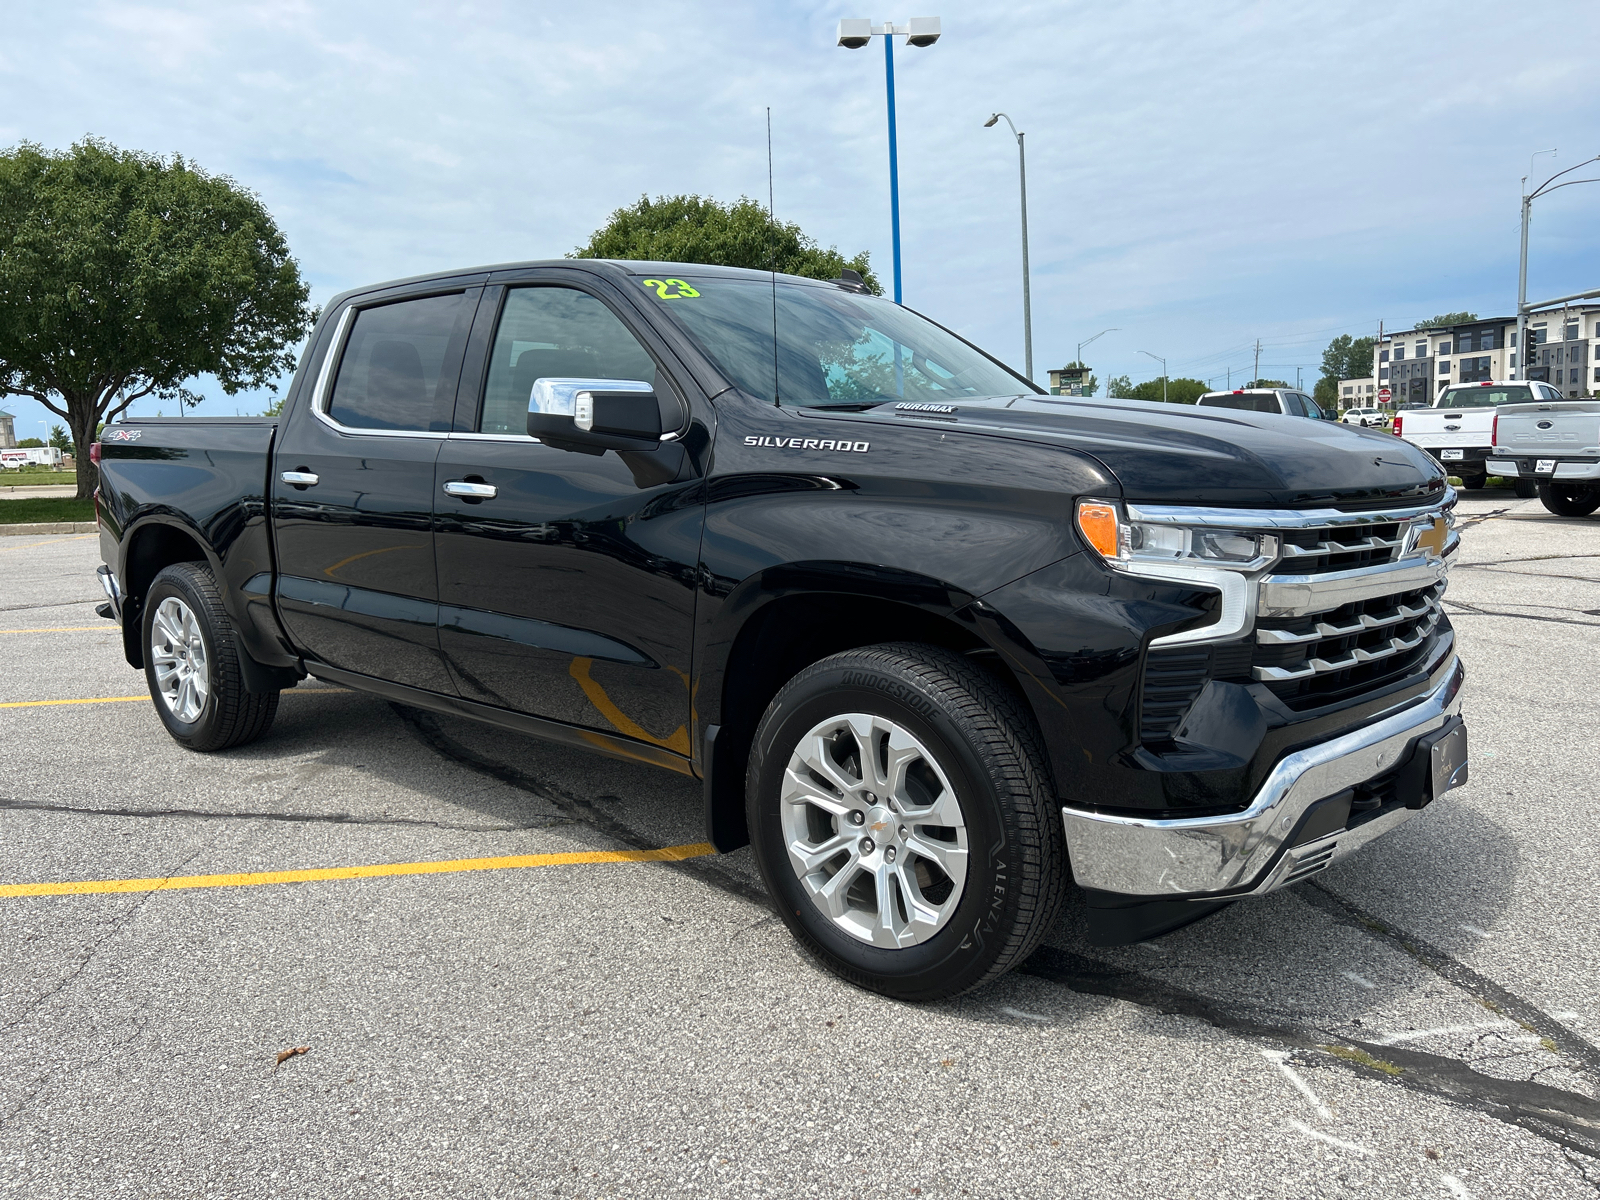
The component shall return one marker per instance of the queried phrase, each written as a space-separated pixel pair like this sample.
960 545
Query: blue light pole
919 31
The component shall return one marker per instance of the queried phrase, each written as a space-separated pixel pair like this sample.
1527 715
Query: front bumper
1527 467
1282 836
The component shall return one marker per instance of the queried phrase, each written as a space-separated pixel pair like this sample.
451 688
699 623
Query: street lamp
1091 341
1522 268
1027 304
1163 363
920 31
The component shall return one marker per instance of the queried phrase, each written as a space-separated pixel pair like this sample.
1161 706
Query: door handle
471 491
299 478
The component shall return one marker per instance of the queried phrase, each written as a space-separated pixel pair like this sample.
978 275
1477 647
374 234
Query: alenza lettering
779 443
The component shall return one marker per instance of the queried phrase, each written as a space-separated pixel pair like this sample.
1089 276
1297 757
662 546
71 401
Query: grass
14 479
1362 1058
49 508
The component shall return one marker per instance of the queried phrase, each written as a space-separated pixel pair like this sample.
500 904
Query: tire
192 664
1569 499
1526 489
978 882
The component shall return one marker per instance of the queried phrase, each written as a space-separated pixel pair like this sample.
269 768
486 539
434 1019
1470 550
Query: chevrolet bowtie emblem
1430 538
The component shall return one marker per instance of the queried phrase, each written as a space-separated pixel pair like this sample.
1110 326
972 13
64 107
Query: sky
1200 175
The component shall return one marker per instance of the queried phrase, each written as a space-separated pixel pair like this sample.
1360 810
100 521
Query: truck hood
1181 454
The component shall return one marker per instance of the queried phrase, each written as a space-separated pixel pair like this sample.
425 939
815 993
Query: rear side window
399 366
1264 402
555 333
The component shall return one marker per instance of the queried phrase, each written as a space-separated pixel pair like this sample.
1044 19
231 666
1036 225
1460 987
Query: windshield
834 348
1484 397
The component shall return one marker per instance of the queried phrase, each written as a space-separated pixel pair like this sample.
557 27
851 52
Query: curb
48 527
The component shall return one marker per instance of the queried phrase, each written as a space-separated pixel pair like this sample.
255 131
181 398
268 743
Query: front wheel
1568 499
901 813
191 663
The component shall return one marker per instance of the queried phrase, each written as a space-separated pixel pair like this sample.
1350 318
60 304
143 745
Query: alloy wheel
874 830
178 653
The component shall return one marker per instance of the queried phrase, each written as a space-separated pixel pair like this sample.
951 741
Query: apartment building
1417 364
8 430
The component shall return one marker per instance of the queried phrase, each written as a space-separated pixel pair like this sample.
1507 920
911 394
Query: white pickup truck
1458 430
1554 444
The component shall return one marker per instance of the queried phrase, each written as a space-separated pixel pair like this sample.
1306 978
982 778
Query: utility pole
1257 378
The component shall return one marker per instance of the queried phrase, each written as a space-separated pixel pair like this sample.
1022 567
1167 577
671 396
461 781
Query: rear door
567 584
352 489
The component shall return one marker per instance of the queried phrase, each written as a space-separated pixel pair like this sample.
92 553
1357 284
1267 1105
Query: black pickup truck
936 644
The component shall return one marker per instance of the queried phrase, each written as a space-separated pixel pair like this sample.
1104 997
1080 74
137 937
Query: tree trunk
83 417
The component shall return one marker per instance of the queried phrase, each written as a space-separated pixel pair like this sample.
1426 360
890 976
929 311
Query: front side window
817 345
398 369
554 333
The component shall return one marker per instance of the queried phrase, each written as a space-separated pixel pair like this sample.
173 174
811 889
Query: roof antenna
772 260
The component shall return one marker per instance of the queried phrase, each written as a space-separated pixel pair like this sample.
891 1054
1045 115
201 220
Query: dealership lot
583 1023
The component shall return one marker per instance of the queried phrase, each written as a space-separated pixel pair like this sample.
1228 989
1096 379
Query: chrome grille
1361 644
1328 548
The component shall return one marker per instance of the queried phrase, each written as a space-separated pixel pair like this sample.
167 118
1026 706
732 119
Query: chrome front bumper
1244 853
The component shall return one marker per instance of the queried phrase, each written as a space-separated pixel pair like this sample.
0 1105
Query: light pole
1090 341
1522 267
1027 304
920 31
1163 363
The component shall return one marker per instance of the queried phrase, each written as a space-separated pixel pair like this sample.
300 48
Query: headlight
1124 543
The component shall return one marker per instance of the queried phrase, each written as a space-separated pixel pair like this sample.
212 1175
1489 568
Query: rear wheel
1473 482
901 813
1526 489
1569 499
192 665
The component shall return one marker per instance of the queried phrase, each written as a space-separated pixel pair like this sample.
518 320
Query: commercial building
8 431
1417 364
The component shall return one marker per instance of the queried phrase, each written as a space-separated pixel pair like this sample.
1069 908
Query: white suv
1269 400
1364 417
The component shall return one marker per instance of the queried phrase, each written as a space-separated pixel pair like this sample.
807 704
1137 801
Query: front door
567 592
352 491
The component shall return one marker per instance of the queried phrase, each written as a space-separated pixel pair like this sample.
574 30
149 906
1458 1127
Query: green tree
123 274
1326 394
61 439
1443 319
1119 387
1179 391
1267 383
697 229
30 444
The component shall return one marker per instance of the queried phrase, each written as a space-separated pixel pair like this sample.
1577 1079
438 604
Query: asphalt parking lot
1422 1020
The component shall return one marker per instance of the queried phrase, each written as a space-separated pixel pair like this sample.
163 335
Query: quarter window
554 333
399 365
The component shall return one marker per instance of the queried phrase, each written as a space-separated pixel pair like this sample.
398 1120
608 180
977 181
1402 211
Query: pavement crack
1568 1119
433 735
1498 1000
77 968
291 818
1475 610
52 604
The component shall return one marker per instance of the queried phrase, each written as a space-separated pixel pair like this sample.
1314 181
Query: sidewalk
35 492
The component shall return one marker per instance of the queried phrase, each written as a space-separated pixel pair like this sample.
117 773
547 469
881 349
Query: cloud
1199 175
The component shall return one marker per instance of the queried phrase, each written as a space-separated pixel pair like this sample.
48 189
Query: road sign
1384 394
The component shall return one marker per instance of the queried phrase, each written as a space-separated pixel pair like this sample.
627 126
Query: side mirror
591 416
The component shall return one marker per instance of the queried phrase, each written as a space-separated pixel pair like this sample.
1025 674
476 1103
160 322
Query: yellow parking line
107 627
81 537
94 700
146 696
319 874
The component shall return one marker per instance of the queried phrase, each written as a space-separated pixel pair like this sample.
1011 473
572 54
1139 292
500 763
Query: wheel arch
780 621
152 544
